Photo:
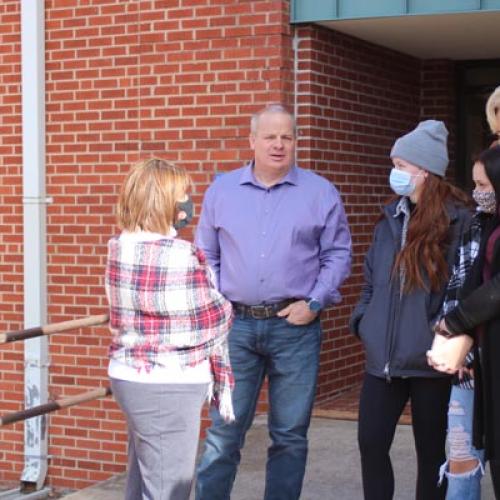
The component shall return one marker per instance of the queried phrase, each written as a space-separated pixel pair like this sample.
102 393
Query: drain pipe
295 48
35 267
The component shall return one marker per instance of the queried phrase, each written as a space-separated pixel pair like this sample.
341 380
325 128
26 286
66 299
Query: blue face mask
401 182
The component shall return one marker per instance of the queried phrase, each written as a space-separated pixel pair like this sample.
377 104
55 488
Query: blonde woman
169 326
493 114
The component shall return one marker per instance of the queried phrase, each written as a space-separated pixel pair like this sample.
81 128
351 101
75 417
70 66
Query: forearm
480 306
335 248
207 239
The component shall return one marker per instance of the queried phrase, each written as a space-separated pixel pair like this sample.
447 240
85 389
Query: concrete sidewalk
333 471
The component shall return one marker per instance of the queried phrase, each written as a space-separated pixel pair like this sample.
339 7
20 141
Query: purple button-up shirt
269 244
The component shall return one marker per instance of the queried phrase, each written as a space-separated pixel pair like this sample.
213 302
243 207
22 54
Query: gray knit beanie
425 147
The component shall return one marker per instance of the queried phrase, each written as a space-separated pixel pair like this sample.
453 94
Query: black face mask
188 208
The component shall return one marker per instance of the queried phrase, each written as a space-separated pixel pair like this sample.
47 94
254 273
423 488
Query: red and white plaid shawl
163 302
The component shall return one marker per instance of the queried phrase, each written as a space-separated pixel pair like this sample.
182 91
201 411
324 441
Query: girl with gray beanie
406 272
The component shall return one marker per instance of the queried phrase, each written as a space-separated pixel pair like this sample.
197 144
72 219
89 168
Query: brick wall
354 100
179 78
11 235
124 80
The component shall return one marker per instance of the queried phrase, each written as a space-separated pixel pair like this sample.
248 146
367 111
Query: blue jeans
289 356
465 486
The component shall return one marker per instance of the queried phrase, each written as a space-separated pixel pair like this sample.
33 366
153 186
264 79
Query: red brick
179 78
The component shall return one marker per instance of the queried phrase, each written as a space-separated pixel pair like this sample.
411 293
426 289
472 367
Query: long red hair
424 255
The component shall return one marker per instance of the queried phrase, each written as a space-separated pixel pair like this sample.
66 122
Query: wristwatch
313 304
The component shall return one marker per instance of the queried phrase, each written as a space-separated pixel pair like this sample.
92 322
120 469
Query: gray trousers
164 426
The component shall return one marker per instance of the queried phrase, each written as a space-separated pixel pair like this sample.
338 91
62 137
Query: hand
436 356
448 355
438 342
297 313
465 371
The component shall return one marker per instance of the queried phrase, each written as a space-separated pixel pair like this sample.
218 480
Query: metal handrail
29 333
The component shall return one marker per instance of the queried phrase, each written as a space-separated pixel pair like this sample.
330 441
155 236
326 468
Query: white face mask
402 182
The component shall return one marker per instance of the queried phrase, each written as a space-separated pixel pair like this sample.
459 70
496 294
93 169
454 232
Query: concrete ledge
350 415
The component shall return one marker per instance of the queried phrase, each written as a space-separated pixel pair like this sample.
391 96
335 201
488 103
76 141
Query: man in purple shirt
278 240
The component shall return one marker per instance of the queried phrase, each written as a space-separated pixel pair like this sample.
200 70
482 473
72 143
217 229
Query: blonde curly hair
493 111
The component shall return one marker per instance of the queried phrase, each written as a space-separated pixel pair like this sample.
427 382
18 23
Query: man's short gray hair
271 108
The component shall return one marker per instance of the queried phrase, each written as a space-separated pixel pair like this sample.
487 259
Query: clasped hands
448 354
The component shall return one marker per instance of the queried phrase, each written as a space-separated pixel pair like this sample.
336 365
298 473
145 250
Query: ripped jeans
467 485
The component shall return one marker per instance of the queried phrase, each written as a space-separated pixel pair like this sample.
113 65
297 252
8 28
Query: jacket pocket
372 330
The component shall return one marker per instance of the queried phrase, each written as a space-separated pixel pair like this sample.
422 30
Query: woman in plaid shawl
169 326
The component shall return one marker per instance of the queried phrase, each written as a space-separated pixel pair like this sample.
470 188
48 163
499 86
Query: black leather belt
261 311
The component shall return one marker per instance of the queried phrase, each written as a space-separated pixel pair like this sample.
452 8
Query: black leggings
380 407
